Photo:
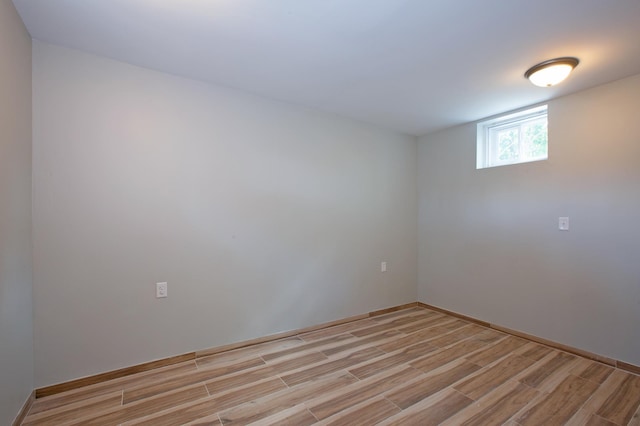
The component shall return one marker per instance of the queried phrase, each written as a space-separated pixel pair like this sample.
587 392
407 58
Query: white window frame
485 157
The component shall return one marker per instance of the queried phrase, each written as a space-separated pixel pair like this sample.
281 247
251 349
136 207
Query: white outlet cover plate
563 223
161 290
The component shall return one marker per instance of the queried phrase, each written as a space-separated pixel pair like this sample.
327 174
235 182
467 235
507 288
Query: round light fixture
551 72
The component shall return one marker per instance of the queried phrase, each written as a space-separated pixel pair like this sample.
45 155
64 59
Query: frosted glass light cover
551 75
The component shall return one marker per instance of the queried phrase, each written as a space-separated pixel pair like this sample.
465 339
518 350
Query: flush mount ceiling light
551 72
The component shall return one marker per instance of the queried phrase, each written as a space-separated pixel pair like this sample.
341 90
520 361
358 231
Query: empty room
331 212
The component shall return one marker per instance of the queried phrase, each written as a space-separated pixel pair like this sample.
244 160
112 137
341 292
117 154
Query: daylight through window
514 138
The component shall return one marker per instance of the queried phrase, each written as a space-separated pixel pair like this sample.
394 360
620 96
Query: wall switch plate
563 223
383 266
161 290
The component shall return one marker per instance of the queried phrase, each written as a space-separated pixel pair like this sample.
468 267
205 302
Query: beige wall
261 216
16 325
489 244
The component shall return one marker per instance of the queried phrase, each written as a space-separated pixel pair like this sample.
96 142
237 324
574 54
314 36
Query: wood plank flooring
410 367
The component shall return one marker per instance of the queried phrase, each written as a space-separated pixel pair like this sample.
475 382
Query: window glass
513 138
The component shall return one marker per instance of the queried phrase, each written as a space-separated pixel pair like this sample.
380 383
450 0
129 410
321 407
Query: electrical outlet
563 223
161 290
383 266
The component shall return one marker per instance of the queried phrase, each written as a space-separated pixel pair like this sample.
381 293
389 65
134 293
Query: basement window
515 138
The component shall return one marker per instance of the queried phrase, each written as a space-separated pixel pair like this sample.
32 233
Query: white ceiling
414 66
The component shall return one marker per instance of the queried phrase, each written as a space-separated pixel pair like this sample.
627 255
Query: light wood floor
411 367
